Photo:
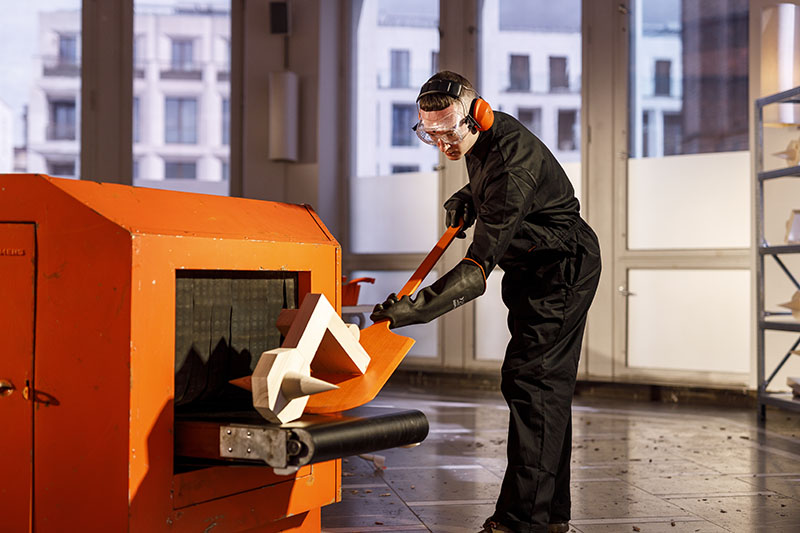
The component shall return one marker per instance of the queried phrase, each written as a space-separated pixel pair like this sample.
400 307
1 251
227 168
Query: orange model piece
87 375
385 348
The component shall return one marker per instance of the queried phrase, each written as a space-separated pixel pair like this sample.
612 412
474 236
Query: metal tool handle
430 260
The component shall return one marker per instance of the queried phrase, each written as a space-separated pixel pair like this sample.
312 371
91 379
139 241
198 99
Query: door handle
6 387
625 292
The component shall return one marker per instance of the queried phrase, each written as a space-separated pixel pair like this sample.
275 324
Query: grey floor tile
746 513
465 518
636 466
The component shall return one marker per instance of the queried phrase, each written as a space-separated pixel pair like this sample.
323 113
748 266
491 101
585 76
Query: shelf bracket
783 362
786 271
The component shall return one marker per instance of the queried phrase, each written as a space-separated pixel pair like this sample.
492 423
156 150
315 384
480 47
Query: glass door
683 274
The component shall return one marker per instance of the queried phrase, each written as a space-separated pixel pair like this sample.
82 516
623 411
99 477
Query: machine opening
224 321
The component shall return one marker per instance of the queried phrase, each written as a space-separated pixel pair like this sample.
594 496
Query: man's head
443 116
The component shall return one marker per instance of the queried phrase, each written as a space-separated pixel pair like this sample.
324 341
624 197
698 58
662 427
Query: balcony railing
61 132
182 71
55 66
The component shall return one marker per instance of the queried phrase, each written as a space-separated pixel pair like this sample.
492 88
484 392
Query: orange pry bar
385 348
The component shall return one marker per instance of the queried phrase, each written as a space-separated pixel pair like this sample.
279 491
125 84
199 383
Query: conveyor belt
245 438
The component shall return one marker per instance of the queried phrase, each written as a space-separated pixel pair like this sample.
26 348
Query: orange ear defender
480 116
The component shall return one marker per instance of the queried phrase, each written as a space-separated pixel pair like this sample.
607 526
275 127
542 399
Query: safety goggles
447 129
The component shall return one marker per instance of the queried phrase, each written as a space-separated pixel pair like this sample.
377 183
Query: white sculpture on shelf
791 154
793 305
793 228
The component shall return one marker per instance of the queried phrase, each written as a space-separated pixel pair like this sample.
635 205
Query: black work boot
490 526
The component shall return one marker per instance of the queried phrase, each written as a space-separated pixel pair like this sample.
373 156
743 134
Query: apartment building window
400 68
61 168
62 120
138 56
226 121
180 170
67 49
226 171
135 169
567 126
531 118
403 118
182 58
519 73
136 113
663 78
400 169
673 133
434 62
559 77
646 134
181 121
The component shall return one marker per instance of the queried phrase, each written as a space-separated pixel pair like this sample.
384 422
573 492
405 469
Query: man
526 221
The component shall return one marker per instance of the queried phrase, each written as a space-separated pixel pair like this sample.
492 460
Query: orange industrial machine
125 312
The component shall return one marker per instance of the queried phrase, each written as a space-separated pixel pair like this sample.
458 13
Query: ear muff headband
480 116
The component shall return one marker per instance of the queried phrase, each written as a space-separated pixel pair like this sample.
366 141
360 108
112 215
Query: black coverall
528 223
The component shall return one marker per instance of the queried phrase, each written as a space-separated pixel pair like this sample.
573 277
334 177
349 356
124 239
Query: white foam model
793 305
315 338
791 154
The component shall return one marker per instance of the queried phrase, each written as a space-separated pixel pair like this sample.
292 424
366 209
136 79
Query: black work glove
457 209
462 284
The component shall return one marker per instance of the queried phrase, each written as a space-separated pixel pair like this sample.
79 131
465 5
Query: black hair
437 101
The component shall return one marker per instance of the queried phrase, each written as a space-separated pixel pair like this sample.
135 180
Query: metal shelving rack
766 319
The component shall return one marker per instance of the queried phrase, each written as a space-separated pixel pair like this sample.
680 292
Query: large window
530 53
40 86
687 227
693 93
396 50
181 86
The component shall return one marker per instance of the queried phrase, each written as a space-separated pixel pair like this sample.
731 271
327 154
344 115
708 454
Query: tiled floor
645 467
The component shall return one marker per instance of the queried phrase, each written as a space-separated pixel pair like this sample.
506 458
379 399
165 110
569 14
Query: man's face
448 130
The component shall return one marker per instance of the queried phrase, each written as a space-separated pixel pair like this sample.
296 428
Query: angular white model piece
793 228
315 338
791 154
281 384
794 384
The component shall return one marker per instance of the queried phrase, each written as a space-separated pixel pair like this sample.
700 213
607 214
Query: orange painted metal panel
191 488
142 210
154 263
80 399
104 355
17 286
248 510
